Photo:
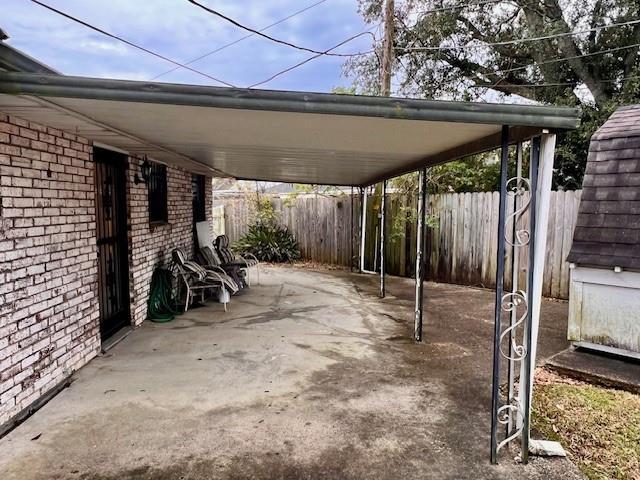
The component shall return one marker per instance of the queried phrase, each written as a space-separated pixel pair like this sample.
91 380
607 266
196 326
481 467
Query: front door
111 226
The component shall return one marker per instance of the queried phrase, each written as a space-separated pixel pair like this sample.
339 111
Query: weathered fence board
462 247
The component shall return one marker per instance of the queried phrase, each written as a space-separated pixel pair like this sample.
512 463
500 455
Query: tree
463 51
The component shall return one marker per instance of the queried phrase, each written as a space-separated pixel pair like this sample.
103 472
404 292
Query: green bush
269 242
267 239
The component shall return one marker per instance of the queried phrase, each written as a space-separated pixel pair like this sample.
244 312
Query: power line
520 40
320 54
554 84
273 39
227 45
131 44
564 59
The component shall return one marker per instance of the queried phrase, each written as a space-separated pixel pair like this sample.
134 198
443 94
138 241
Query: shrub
267 239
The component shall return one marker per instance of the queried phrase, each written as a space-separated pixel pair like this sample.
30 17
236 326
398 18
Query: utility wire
554 84
518 40
564 59
227 45
273 39
131 44
319 54
326 52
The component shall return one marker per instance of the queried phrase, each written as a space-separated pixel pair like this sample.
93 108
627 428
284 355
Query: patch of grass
599 427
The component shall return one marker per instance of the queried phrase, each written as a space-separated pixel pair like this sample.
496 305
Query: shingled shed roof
607 232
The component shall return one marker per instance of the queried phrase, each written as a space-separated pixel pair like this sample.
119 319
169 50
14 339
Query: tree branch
567 46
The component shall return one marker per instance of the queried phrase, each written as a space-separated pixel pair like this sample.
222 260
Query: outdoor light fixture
145 172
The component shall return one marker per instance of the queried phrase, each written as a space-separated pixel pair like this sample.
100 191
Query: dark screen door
111 226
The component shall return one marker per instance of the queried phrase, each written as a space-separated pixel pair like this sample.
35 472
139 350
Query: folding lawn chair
209 259
247 260
227 261
197 278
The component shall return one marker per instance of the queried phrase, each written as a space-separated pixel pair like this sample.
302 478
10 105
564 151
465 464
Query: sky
182 31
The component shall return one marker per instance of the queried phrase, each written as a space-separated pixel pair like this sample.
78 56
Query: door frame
119 162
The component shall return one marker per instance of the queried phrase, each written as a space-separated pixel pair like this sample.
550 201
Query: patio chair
228 261
248 260
209 259
196 278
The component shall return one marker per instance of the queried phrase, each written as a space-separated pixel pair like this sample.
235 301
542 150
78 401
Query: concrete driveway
308 375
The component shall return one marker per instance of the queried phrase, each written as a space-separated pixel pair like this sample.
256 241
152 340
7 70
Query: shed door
111 226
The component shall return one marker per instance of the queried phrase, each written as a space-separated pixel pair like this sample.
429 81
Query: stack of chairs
217 253
197 278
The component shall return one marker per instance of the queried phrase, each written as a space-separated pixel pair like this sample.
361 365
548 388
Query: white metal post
383 211
363 227
420 236
543 199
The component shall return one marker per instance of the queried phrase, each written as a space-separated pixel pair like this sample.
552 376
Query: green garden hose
162 303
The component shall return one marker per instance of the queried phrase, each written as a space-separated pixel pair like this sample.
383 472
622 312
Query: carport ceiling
272 135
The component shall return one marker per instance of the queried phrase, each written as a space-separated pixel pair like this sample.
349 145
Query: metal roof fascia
14 60
297 102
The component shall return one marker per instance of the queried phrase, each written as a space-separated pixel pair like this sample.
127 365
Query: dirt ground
308 376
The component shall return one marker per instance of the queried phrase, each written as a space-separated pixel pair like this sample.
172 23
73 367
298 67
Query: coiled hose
162 303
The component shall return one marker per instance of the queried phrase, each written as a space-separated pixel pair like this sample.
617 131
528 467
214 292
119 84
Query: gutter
47 85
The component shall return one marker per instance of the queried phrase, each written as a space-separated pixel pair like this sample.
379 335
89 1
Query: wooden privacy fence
461 241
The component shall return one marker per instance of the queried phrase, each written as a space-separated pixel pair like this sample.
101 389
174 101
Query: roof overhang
295 137
14 60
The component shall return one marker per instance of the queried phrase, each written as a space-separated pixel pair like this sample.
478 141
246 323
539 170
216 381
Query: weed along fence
461 239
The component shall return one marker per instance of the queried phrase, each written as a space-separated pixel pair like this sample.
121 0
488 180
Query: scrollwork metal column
497 411
513 413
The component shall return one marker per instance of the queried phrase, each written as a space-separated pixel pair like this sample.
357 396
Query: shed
604 309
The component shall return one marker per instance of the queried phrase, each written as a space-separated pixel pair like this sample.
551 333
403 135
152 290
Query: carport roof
297 137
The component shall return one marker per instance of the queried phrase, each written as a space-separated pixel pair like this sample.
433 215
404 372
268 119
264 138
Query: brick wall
49 313
150 246
49 319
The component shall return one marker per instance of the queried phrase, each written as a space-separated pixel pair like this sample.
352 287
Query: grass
599 427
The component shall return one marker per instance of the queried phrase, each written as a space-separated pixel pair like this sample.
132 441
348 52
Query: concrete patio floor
309 375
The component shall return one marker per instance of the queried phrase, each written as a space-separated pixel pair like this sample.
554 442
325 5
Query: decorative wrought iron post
514 412
383 211
496 410
515 271
420 236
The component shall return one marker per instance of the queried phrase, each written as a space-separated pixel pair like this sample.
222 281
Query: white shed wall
604 310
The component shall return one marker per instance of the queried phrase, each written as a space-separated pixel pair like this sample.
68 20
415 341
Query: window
199 208
158 193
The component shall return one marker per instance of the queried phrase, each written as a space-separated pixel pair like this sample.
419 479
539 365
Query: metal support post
351 233
515 270
523 306
542 197
363 225
497 332
383 211
420 236
526 397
